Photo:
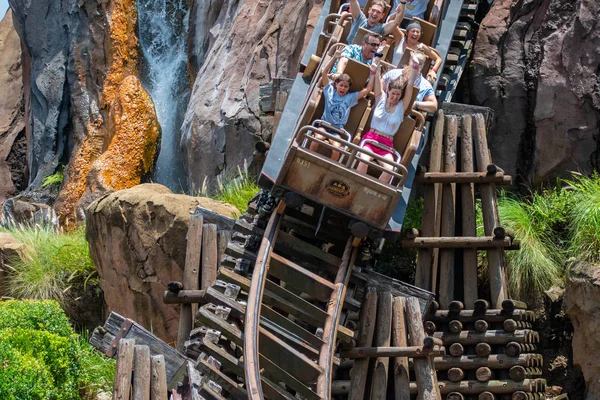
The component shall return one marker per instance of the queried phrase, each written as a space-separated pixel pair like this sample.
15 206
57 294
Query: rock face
249 42
13 156
82 93
10 248
137 239
536 64
582 304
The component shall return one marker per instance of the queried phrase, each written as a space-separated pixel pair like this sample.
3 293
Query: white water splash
163 28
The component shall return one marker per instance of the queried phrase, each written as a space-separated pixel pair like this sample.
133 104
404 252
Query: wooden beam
366 331
141 373
399 352
424 373
493 337
399 339
122 386
464 178
209 255
446 292
158 386
494 315
383 332
190 277
470 242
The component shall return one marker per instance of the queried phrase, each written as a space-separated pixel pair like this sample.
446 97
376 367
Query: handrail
302 134
253 307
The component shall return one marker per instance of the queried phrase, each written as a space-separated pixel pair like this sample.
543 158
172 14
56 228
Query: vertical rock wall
537 64
248 43
13 159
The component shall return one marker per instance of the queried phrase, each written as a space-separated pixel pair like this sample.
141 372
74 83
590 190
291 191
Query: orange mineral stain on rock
115 156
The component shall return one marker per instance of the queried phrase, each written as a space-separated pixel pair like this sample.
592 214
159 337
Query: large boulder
137 239
10 249
245 44
535 64
13 157
582 304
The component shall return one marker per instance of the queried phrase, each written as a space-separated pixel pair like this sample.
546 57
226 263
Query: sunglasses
372 44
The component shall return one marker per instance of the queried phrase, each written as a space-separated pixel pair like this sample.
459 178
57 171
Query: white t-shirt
385 122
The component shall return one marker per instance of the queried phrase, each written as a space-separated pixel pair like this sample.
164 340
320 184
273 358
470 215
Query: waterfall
163 28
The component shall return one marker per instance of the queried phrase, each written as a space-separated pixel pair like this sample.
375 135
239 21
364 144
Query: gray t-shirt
362 22
337 108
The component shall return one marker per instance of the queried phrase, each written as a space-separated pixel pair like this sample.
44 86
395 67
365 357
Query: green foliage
37 315
239 190
54 179
56 260
44 359
585 218
22 376
537 265
396 261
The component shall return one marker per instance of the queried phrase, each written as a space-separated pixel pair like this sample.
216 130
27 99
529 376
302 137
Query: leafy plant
42 357
584 216
54 179
239 190
54 261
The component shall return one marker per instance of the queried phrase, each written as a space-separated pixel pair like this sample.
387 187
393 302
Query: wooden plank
493 337
141 373
493 315
424 273
489 210
464 177
104 339
446 293
223 239
232 364
300 278
459 242
494 361
383 332
190 277
398 352
124 368
221 379
209 255
468 214
287 301
475 387
158 385
366 330
424 373
399 336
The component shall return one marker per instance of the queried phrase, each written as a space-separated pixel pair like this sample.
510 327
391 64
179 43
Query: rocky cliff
80 84
248 43
13 156
535 63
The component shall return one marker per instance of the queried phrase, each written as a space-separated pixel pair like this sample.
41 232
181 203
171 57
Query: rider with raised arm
388 114
338 102
372 22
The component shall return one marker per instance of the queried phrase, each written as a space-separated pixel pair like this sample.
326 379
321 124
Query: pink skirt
380 139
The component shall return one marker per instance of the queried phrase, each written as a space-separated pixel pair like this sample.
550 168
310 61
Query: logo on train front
338 188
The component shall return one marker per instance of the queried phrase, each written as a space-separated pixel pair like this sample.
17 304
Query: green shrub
39 333
22 377
58 354
585 218
56 260
39 315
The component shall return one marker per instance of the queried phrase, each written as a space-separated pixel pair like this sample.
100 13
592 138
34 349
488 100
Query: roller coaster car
337 184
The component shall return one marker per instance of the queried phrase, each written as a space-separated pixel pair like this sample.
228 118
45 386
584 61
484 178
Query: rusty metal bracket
114 346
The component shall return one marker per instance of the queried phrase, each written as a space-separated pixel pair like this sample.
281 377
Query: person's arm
395 23
327 68
437 62
341 65
412 77
354 9
429 104
363 93
377 80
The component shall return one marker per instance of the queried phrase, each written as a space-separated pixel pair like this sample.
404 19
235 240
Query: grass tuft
54 179
585 218
54 261
237 190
